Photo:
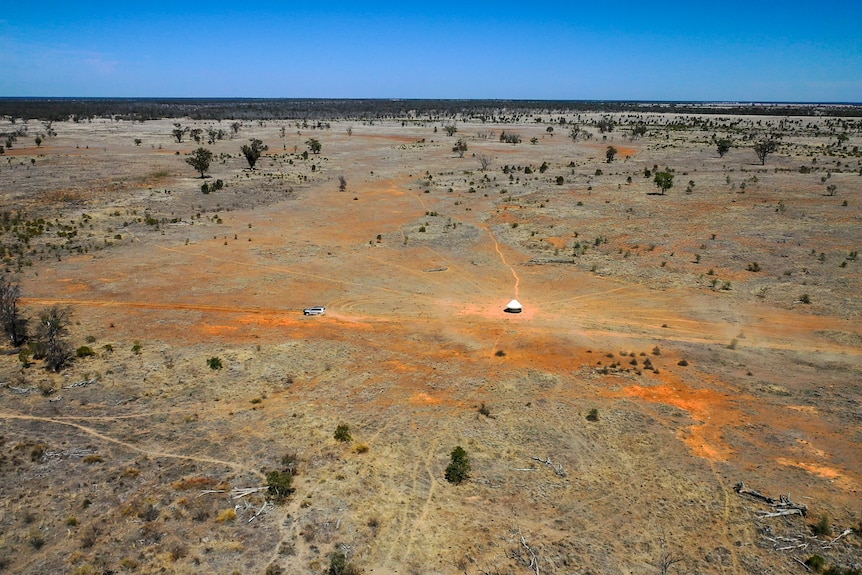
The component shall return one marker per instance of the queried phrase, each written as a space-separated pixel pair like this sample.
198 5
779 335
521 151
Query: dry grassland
704 369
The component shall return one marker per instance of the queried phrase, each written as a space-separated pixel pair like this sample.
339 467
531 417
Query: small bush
484 410
816 563
360 448
226 515
36 539
214 363
822 527
85 351
458 469
342 433
593 415
805 298
339 565
682 363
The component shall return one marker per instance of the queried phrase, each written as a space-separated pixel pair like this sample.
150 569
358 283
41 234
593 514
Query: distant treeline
140 109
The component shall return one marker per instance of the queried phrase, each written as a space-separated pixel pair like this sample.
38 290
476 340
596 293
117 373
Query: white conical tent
514 306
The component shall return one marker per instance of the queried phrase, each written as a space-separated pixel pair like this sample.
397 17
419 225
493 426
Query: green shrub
593 415
85 351
458 469
816 563
214 363
342 433
339 565
279 483
822 527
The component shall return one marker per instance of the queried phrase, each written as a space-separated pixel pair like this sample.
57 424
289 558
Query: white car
316 310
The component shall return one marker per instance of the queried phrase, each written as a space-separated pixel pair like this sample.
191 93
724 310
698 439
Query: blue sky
668 50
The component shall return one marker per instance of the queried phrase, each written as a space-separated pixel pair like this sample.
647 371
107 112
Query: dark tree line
141 109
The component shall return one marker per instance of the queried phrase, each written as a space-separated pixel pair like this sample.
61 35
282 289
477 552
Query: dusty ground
415 262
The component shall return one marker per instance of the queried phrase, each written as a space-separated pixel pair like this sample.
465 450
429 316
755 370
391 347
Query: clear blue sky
666 50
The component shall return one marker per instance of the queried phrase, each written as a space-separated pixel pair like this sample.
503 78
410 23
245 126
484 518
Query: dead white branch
780 513
21 389
843 533
558 469
534 560
267 505
238 492
807 568
209 491
84 383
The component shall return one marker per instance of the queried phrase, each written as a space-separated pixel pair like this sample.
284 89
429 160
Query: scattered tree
763 148
610 153
450 129
313 145
14 326
50 335
605 125
574 132
38 141
723 145
138 141
200 160
342 184
664 181
234 127
179 132
253 151
460 147
484 161
458 469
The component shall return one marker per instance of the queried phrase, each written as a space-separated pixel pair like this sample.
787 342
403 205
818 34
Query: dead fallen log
84 383
780 513
783 502
558 468
239 492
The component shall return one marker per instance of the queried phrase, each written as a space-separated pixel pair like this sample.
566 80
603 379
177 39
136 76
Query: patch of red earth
710 409
622 151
